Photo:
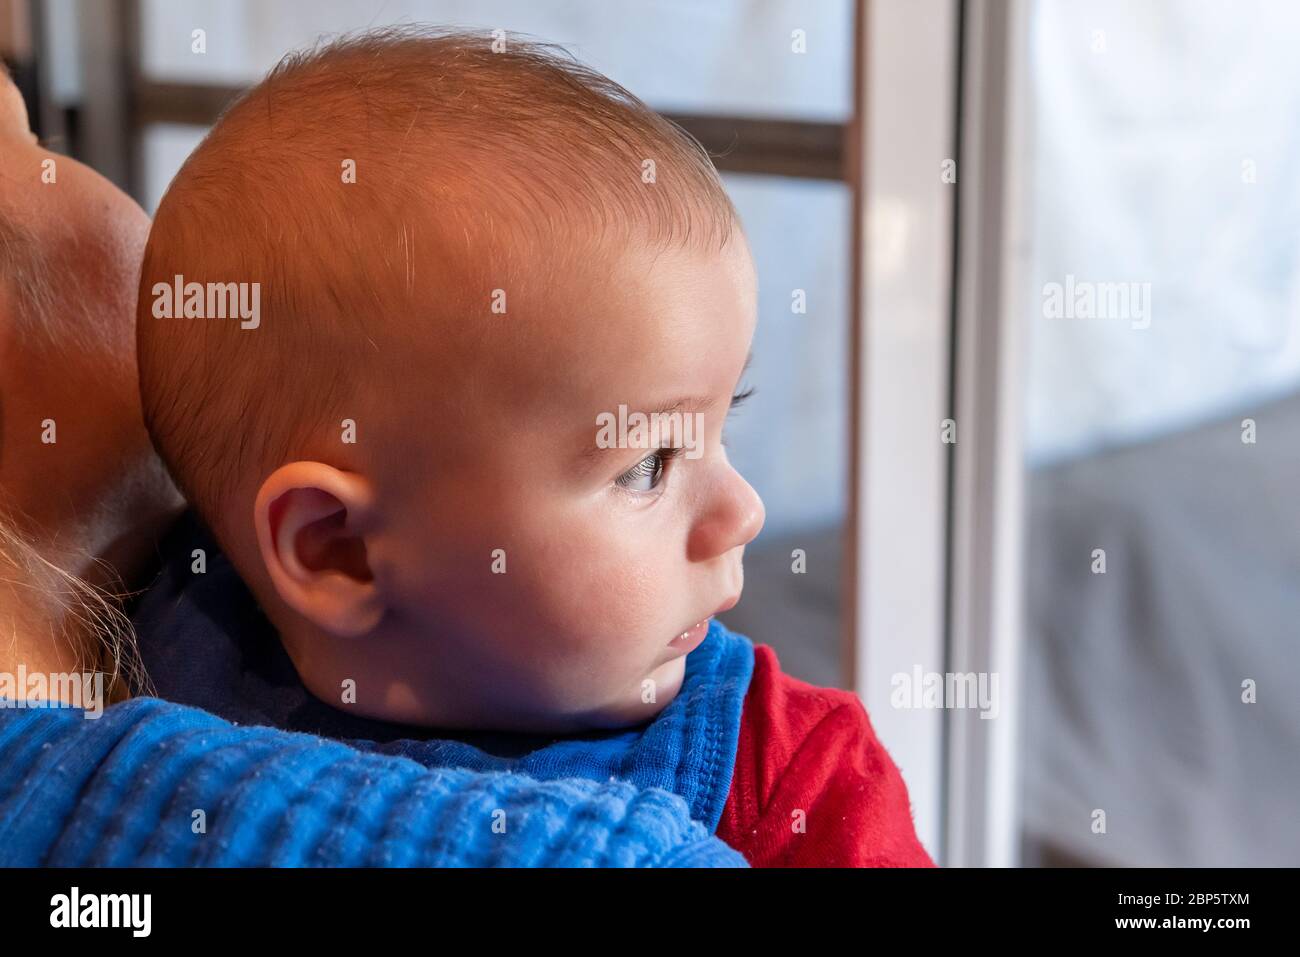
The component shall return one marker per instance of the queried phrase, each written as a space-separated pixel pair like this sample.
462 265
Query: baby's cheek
630 590
600 617
598 604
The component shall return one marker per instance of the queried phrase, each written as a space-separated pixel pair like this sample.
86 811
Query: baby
398 313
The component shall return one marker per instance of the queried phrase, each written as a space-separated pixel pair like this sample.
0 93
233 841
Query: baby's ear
311 521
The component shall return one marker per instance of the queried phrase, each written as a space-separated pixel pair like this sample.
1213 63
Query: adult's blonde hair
87 618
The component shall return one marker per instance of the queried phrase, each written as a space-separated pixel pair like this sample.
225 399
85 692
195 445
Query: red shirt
813 787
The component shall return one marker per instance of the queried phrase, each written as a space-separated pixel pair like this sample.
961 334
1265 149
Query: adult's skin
93 501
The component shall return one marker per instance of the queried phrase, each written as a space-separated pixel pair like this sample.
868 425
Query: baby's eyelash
739 398
736 401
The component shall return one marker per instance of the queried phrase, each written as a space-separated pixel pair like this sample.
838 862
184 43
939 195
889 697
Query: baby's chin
644 700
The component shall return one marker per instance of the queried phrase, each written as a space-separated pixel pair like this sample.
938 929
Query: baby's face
539 580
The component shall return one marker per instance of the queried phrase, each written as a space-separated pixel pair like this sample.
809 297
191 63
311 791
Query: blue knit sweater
154 783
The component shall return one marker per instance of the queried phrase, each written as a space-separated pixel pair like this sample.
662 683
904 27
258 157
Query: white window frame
935 574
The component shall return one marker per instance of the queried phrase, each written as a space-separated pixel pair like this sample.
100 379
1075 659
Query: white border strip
908 103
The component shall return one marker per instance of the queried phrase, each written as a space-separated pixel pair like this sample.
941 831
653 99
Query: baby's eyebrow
685 405
689 403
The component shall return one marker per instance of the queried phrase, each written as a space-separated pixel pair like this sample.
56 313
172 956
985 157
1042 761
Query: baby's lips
694 634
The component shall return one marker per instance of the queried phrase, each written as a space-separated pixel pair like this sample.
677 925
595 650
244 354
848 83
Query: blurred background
1113 532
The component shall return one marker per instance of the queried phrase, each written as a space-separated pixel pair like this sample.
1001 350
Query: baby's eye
646 474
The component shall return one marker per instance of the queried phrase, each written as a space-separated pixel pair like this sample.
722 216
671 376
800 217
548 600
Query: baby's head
470 255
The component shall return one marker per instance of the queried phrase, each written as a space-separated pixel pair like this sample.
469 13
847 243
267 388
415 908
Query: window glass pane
730 57
788 440
1163 433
